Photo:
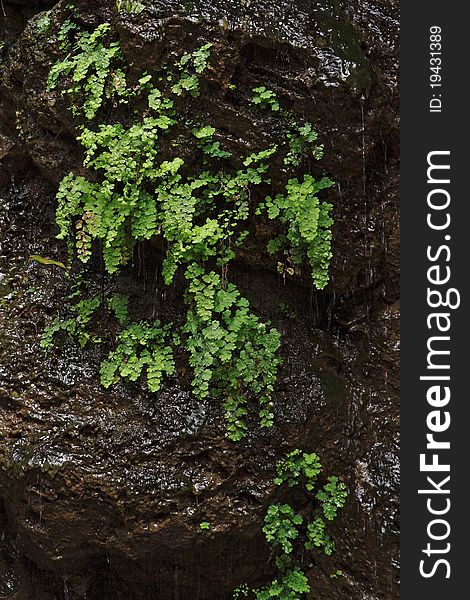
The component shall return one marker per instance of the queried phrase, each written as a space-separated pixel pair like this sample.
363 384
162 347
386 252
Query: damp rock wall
102 491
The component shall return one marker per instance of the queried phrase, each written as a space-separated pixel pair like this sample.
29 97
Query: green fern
290 533
74 327
135 186
87 65
142 346
231 352
308 225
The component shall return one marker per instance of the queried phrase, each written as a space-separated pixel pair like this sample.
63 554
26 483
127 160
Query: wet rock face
102 492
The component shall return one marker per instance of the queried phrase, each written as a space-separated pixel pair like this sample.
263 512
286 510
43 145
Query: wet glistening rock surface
102 491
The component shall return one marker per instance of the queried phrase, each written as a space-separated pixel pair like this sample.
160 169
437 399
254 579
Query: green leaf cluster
230 350
209 146
280 526
265 98
292 585
291 533
118 209
44 23
87 65
317 537
135 185
133 7
75 326
119 306
140 346
191 65
298 464
308 225
302 144
332 497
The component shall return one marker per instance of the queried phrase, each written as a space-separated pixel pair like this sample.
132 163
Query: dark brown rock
102 491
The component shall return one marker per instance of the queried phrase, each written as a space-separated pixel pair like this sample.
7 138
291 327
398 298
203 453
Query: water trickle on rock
102 491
